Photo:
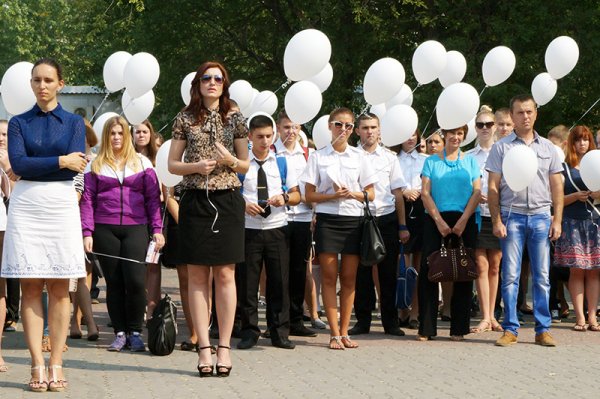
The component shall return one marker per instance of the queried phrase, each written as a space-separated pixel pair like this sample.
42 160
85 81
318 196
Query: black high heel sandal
222 370
205 370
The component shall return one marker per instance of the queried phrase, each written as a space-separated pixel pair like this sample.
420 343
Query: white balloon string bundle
212 228
482 90
429 121
99 107
415 89
283 86
167 124
585 113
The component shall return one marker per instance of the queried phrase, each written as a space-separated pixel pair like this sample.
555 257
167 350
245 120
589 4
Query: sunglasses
207 78
488 125
345 126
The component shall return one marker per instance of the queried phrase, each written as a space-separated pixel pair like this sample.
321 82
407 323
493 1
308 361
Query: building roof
83 90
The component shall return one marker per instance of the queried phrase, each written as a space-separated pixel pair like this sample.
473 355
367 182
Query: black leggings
125 281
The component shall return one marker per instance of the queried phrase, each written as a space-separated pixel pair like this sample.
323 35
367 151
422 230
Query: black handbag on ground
162 327
452 262
372 249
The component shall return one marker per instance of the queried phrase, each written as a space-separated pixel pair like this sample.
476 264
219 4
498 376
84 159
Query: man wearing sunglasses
388 208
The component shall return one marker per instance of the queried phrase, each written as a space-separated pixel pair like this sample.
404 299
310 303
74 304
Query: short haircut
464 128
560 132
521 98
340 111
282 115
367 116
502 111
259 121
3 121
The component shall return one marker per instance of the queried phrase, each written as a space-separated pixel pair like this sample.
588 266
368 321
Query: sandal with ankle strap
205 370
348 343
56 385
39 385
223 370
336 340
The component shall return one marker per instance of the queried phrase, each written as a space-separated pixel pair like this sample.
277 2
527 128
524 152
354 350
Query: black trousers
271 248
460 306
364 299
300 240
125 281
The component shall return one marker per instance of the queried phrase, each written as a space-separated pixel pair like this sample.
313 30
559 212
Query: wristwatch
286 197
234 164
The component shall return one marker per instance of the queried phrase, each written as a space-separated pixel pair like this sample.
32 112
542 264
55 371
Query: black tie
262 189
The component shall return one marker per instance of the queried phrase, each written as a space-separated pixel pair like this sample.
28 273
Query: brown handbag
452 263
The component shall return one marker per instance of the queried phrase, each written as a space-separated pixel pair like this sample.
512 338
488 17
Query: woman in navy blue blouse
43 243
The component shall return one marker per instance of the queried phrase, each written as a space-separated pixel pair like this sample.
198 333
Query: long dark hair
196 107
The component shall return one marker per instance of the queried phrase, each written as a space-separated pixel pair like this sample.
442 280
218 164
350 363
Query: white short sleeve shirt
297 162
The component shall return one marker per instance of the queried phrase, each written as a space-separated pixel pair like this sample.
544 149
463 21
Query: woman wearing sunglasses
211 207
488 253
336 177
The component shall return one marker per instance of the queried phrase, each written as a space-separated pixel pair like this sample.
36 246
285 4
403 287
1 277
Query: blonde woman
121 199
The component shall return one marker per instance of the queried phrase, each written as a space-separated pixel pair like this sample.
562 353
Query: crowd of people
254 199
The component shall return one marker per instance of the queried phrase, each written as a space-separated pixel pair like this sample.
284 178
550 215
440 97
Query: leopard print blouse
200 144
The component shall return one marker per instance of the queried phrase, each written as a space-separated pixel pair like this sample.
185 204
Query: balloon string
167 124
415 89
100 106
430 116
283 86
124 108
585 113
482 90
364 111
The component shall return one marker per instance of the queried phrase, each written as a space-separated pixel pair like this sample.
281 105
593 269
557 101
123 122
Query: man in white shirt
265 190
299 218
388 209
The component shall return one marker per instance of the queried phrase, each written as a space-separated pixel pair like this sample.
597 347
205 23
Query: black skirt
486 238
338 234
201 243
415 217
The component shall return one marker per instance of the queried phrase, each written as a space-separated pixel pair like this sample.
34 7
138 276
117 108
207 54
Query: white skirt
43 235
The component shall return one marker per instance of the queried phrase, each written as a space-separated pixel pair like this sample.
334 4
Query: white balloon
498 64
398 125
456 67
589 168
265 101
321 134
306 54
17 94
138 109
100 122
241 92
141 74
303 101
303 138
543 88
404 96
457 105
383 80
428 61
248 110
186 87
324 78
162 166
114 67
519 167
561 56
378 109
471 133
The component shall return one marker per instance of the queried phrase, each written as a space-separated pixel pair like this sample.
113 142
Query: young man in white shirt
265 190
299 219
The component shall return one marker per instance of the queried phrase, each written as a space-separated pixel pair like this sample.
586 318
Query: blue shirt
36 139
451 181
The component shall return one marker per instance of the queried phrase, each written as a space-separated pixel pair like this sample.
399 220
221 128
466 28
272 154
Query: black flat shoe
283 343
223 370
189 346
205 370
246 343
358 330
395 331
302 331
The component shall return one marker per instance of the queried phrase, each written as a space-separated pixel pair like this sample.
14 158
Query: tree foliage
250 38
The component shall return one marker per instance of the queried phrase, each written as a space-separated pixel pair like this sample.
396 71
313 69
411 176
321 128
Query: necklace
451 163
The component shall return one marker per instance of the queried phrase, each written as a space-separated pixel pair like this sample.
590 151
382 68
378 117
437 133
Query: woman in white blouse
336 177
411 163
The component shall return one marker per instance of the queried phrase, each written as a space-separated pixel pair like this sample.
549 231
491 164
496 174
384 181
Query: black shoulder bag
372 249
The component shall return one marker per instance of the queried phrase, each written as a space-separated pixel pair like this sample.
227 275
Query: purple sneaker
136 344
119 343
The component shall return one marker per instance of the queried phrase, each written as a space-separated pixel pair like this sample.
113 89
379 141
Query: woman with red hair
578 247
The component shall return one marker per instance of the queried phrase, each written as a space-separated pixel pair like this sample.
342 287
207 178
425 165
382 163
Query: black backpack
162 327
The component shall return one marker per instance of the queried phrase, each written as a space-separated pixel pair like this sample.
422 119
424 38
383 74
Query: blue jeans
534 230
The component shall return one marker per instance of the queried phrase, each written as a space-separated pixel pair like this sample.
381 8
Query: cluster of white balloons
17 94
137 74
561 57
